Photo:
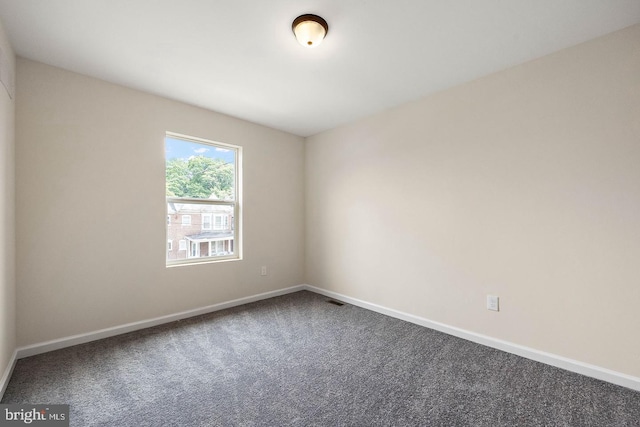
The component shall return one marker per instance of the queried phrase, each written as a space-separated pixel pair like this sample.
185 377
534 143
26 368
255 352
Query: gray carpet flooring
299 360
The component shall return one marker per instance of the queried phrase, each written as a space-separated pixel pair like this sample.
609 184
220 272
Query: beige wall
90 178
7 218
524 184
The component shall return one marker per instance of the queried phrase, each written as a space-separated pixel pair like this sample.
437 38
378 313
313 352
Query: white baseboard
593 371
32 350
529 353
6 376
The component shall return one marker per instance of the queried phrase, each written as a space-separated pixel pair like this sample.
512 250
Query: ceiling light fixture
310 30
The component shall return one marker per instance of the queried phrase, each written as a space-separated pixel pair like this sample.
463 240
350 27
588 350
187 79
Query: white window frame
186 220
207 215
235 204
224 222
169 245
194 249
182 245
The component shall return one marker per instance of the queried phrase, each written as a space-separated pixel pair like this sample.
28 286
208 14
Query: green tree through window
200 177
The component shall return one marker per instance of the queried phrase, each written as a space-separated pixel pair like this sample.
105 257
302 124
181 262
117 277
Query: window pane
207 171
199 170
210 232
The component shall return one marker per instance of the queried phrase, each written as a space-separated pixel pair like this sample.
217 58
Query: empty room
320 213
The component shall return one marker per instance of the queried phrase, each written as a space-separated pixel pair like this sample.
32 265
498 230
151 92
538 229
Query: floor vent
338 303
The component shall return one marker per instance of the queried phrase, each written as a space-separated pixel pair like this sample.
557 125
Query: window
221 222
169 245
206 221
203 199
217 247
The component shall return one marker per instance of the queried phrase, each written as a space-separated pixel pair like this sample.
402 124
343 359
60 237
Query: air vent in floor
338 303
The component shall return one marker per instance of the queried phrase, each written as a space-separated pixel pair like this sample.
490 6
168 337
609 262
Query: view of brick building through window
208 231
201 181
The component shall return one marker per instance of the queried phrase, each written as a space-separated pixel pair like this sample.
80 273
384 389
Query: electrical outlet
493 303
263 270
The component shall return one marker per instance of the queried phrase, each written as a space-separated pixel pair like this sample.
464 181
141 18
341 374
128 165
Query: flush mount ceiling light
310 30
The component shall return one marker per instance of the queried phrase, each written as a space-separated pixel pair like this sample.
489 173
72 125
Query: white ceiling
240 57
